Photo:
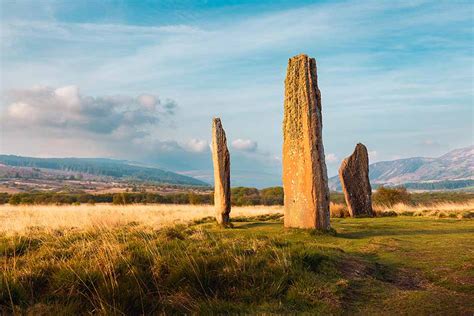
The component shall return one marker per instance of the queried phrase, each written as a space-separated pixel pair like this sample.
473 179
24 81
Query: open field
386 265
17 219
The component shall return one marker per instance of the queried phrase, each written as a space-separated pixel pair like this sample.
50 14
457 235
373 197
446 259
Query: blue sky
141 80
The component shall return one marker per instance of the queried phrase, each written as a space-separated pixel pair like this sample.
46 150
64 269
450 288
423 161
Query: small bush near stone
339 210
391 196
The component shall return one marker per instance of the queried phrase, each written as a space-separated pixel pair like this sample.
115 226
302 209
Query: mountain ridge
120 169
455 169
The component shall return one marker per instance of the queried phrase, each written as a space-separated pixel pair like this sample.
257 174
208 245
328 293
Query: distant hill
119 169
454 170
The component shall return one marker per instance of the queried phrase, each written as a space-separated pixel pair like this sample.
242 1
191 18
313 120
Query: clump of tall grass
338 210
461 210
133 269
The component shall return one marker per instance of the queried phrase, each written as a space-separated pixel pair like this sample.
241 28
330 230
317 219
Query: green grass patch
383 265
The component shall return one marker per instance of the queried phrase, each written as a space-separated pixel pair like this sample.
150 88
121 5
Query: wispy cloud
331 158
245 145
392 74
197 145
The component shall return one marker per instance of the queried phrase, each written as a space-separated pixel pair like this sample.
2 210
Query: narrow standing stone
305 180
221 161
354 176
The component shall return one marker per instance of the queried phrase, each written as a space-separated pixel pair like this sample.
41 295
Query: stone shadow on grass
253 225
367 233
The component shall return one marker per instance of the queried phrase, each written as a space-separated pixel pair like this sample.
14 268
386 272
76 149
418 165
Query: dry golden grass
445 209
16 219
338 210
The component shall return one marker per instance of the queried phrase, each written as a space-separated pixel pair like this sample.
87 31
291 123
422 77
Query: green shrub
245 196
272 196
391 196
119 199
4 197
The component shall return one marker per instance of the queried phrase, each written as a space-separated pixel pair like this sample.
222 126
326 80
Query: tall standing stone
354 176
221 161
305 180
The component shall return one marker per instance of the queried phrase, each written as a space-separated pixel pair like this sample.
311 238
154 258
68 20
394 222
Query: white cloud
373 156
245 145
68 95
21 111
148 101
65 110
196 145
331 158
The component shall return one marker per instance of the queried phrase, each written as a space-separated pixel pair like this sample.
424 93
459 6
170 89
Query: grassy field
142 262
17 219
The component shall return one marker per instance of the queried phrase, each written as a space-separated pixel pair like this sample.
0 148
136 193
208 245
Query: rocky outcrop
221 161
354 176
305 181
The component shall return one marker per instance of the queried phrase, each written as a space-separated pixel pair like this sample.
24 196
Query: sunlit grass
440 210
399 265
16 219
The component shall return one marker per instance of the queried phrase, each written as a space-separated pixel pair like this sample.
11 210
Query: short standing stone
354 176
221 161
305 181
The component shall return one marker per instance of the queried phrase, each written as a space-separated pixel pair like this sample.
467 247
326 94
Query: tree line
240 196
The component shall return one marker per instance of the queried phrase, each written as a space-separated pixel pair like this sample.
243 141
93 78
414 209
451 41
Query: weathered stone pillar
221 161
305 180
354 176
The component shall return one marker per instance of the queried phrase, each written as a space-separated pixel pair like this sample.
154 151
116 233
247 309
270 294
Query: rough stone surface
221 161
354 176
305 180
